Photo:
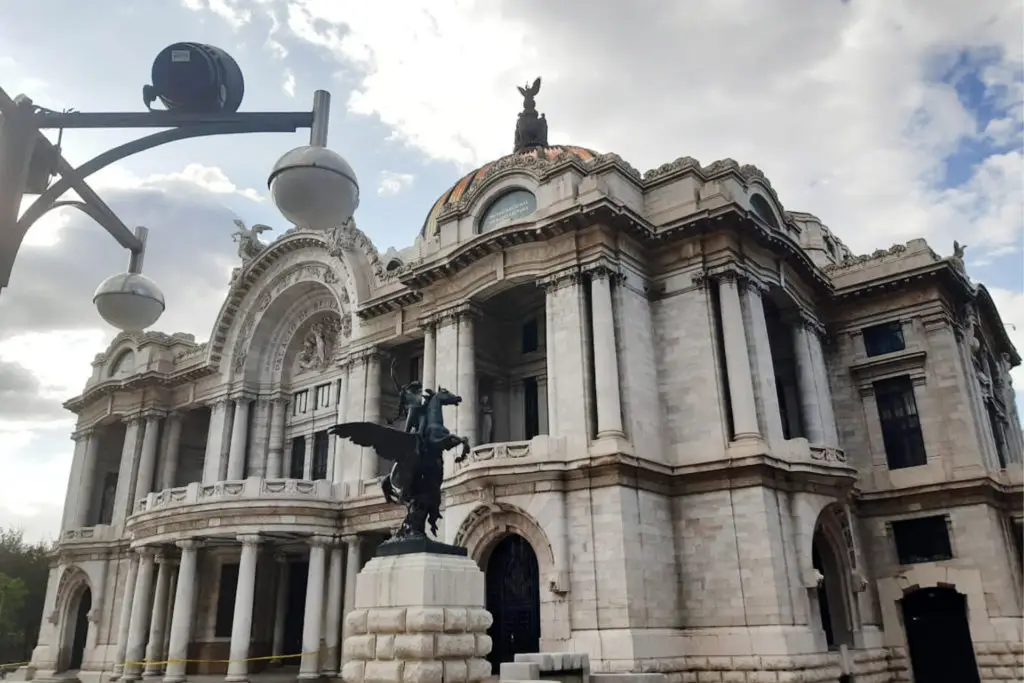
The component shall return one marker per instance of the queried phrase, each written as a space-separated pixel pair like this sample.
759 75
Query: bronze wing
390 444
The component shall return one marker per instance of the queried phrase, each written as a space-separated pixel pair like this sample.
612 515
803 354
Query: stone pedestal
419 617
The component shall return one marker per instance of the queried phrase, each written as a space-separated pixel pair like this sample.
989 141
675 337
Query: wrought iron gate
513 598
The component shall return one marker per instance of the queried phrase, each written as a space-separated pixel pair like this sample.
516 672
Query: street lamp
202 88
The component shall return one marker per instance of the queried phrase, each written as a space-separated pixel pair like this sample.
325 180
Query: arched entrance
81 629
831 593
939 636
513 598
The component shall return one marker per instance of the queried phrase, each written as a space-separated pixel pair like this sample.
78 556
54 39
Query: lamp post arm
129 241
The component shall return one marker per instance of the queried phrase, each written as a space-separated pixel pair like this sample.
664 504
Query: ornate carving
563 278
347 237
320 344
531 128
346 326
957 259
249 245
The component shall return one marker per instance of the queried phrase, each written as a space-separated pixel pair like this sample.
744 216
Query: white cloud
838 102
392 182
289 83
194 176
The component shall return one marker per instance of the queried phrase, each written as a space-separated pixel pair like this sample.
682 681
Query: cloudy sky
889 119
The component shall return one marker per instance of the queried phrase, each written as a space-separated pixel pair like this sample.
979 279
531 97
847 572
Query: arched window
763 210
393 265
512 205
124 364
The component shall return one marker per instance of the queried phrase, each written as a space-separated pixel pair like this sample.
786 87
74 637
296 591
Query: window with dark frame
884 338
901 425
415 368
531 336
922 539
107 495
321 449
300 399
297 461
995 422
531 408
323 396
226 600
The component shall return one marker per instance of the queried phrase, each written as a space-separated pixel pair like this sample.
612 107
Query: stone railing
89 534
247 489
507 450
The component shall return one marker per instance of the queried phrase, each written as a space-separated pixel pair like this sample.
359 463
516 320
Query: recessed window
415 368
531 336
300 402
996 424
321 449
901 425
763 210
531 408
323 396
923 539
226 600
884 338
297 462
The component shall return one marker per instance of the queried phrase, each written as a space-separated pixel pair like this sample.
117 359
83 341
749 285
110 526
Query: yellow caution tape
146 662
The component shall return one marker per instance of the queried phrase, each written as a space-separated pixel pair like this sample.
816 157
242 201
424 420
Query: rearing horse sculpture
418 470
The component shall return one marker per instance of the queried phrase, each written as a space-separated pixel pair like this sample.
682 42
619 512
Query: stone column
341 415
737 360
466 415
239 435
313 614
73 491
147 461
759 348
181 615
155 647
258 446
307 457
829 429
353 560
241 623
606 363
215 439
371 413
126 472
138 627
275 456
87 480
172 447
280 607
429 356
332 629
120 652
810 409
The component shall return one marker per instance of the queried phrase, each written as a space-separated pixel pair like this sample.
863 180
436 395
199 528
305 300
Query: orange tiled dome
461 188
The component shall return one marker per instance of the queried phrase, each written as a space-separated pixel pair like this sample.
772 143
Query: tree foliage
24 569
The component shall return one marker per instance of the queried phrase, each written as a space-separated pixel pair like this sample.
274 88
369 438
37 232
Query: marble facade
699 459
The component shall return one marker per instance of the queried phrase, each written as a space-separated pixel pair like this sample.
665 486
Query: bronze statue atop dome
531 128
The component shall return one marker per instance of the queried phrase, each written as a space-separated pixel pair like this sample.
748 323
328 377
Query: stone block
520 671
419 619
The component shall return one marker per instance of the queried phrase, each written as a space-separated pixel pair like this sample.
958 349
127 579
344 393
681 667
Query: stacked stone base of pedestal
418 618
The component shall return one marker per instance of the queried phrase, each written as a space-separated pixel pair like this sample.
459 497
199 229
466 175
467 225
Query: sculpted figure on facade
319 344
249 245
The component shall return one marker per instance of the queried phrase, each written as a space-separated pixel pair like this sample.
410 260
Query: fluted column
371 413
465 419
215 438
829 429
810 409
124 495
86 480
181 615
737 359
241 623
155 647
124 621
429 356
280 607
313 614
138 627
353 561
332 629
147 460
606 363
172 447
275 457
239 435
259 445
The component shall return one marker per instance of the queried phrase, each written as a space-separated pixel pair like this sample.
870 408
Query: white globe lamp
129 301
314 187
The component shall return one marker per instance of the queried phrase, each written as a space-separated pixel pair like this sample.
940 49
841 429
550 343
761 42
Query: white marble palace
708 441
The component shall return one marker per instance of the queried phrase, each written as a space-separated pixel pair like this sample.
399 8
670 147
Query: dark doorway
295 611
81 630
513 597
939 636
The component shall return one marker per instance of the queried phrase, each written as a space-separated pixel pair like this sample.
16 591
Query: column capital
242 397
562 278
249 539
83 433
350 539
701 279
320 541
146 551
602 270
132 418
216 402
189 544
154 414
